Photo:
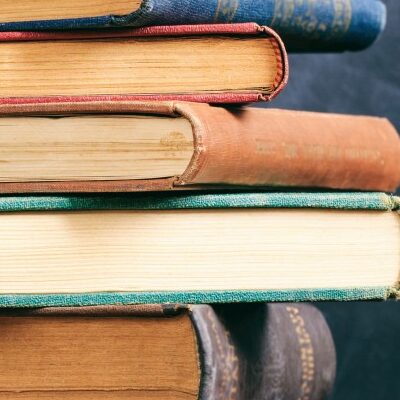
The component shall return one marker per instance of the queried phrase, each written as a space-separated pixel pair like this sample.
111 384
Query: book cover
207 200
102 92
243 147
307 25
237 352
166 201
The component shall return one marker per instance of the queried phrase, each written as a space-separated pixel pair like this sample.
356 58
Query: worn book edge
374 173
352 25
183 200
247 28
160 201
197 297
239 353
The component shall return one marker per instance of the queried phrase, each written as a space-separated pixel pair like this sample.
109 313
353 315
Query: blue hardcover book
305 25
87 250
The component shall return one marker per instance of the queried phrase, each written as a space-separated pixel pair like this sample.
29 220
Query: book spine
291 148
196 297
264 351
254 351
305 25
247 146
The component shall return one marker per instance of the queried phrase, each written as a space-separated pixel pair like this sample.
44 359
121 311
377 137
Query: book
188 248
239 352
330 25
205 63
107 146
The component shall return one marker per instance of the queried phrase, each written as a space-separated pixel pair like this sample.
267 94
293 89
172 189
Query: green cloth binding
195 297
191 200
185 200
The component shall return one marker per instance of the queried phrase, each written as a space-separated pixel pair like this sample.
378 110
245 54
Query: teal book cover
356 201
192 200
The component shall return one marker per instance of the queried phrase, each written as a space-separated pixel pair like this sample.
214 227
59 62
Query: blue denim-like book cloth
305 25
165 201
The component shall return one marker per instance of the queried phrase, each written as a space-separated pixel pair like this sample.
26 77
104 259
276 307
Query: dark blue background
367 335
366 82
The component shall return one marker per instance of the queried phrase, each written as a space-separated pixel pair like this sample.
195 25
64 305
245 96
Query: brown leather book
111 146
236 352
216 63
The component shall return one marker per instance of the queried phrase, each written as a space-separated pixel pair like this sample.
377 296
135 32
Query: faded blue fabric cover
325 25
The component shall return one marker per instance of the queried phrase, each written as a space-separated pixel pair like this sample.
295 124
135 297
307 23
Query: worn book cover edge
183 200
159 31
203 119
197 297
229 367
340 25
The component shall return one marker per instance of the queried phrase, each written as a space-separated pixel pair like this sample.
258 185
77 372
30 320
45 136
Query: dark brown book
112 146
235 352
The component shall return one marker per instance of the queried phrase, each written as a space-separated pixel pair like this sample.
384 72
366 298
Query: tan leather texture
270 147
249 147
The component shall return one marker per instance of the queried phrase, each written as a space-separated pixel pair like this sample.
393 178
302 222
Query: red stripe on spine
282 75
238 97
278 55
198 98
178 30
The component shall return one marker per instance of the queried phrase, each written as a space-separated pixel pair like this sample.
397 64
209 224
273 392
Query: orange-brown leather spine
270 147
250 146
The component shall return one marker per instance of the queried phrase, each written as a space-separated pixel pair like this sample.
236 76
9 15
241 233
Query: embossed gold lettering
306 352
226 10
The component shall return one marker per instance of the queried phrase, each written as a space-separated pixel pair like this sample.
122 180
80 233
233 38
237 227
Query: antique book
112 146
205 63
188 248
329 25
176 352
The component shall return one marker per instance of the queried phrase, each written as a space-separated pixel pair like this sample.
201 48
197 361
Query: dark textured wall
367 335
366 82
367 340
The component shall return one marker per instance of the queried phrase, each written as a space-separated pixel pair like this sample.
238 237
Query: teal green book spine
191 200
183 200
305 25
202 297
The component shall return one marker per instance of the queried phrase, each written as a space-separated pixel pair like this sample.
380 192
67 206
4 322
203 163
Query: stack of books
158 237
